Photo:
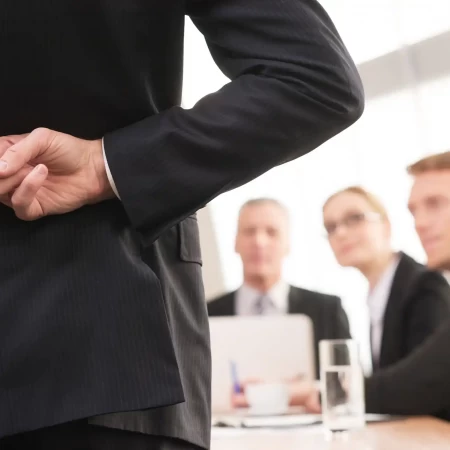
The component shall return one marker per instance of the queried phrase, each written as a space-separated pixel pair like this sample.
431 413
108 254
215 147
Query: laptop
271 348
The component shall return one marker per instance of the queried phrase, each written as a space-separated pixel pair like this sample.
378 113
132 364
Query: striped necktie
262 305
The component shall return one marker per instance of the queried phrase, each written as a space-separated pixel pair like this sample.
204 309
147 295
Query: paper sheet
296 420
284 421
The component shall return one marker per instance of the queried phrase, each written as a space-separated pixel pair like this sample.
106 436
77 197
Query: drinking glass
342 385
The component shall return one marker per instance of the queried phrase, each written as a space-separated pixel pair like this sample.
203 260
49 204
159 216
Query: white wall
212 268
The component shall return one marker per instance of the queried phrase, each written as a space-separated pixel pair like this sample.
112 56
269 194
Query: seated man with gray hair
262 242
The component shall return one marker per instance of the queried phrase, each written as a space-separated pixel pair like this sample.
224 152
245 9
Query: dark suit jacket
328 317
418 384
102 309
418 303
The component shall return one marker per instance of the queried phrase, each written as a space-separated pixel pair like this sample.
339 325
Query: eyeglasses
351 221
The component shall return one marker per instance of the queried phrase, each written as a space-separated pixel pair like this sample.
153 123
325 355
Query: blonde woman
406 301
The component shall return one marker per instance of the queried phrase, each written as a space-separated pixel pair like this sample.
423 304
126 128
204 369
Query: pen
234 378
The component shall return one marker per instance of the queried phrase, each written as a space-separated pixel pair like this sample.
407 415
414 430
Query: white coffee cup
267 398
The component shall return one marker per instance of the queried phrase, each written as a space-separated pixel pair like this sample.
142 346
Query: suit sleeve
429 307
342 327
419 384
293 87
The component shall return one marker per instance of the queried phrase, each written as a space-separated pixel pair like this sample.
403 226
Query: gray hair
265 201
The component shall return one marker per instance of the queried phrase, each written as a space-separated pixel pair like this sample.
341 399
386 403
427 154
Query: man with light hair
420 383
430 205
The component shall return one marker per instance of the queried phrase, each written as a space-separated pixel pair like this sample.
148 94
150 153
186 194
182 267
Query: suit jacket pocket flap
190 240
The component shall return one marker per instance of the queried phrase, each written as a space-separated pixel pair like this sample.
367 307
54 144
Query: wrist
100 187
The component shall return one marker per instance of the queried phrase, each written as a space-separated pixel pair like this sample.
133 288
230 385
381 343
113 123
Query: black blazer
102 309
328 317
416 385
418 303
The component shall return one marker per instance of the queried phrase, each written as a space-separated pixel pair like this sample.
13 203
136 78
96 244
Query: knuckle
20 208
41 134
20 198
16 202
41 131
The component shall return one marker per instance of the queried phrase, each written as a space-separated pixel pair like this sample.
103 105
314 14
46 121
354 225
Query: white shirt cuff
108 173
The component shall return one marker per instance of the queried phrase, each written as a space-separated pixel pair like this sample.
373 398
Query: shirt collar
378 297
278 293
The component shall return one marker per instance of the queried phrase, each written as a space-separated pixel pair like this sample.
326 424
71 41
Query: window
422 19
368 27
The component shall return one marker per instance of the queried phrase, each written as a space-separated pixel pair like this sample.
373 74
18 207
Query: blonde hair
438 161
370 198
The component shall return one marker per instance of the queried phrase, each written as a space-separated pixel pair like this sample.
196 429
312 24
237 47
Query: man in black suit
262 242
103 324
417 304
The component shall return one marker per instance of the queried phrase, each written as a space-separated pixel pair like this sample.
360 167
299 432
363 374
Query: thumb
22 152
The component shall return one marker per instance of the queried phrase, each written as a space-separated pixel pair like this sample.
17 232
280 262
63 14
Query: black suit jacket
327 315
418 303
102 309
416 385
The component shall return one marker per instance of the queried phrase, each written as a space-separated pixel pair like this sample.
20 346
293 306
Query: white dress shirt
108 172
247 297
377 302
447 276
